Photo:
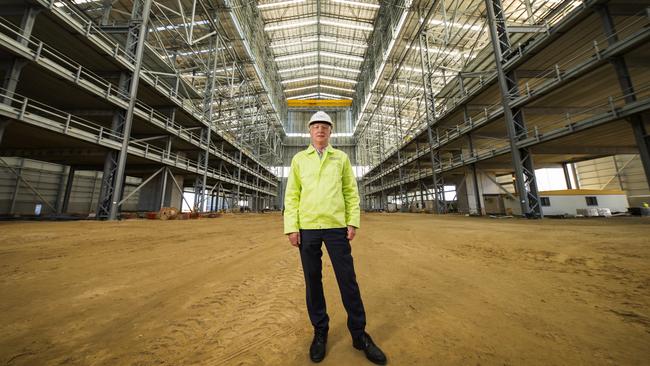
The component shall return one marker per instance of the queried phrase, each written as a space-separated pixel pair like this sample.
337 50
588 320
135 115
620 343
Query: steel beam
585 150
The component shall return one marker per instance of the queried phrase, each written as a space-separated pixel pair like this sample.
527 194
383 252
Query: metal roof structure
318 45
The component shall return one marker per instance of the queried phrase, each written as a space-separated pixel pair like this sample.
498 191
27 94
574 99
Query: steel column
477 192
430 114
567 176
12 75
515 124
206 133
638 121
115 165
61 191
68 189
398 134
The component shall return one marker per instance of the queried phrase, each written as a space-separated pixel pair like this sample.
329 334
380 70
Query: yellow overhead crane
319 103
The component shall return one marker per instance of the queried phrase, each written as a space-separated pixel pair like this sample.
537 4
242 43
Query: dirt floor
230 291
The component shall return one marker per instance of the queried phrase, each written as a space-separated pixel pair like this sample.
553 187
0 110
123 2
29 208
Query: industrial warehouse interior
501 152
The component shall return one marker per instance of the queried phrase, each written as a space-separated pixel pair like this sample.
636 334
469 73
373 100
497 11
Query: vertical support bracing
398 133
522 158
417 165
384 197
240 152
430 114
115 165
638 121
14 194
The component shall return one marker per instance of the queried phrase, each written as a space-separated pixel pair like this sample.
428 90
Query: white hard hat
321 116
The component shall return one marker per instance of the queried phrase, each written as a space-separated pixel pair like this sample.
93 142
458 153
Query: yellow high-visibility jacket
321 193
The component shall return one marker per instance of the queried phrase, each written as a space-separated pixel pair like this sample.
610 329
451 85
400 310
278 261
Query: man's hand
352 231
294 239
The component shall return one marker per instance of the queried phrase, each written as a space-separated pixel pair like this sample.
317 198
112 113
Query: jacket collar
312 149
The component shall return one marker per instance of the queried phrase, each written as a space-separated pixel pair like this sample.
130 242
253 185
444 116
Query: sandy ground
229 291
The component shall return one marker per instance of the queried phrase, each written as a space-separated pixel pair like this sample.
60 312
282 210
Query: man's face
320 133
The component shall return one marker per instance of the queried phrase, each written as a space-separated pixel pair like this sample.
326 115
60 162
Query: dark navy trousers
340 252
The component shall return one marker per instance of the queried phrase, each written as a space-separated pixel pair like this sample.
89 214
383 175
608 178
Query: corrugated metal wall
601 174
50 180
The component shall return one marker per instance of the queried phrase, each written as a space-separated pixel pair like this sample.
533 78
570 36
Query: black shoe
317 349
373 353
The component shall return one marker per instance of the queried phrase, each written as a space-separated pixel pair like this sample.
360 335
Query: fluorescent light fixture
287 44
321 86
330 67
296 56
343 43
451 52
310 95
279 3
59 4
313 21
322 66
474 27
303 96
205 50
343 56
315 53
183 25
351 25
341 80
316 77
357 3
297 43
290 24
294 69
299 79
337 88
301 88
334 96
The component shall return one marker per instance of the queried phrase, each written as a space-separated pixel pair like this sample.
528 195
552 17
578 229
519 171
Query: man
322 205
